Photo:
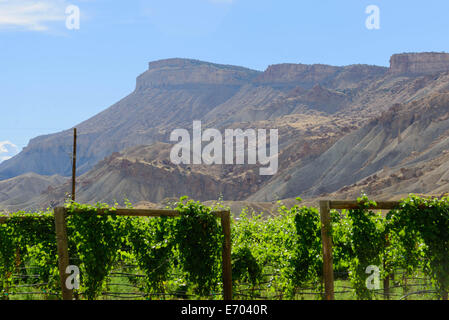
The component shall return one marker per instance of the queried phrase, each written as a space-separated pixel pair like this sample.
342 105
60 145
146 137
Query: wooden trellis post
74 166
326 236
227 266
63 251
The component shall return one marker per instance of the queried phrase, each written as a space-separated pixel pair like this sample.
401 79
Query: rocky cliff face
308 76
176 72
294 73
419 63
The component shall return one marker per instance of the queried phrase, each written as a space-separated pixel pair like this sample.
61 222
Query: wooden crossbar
144 212
381 205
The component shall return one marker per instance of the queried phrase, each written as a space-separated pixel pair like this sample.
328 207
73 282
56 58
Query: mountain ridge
315 107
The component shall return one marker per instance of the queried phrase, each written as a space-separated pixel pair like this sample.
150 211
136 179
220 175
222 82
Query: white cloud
35 15
7 150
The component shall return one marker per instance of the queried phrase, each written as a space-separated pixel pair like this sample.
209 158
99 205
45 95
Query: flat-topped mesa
419 63
175 72
290 72
308 75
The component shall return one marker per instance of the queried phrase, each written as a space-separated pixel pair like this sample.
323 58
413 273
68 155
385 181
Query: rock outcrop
297 73
177 72
308 76
419 63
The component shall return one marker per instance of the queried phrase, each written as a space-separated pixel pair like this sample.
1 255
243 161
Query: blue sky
52 78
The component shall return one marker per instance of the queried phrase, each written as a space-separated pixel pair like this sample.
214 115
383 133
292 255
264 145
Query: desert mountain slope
410 139
18 193
143 173
337 127
174 92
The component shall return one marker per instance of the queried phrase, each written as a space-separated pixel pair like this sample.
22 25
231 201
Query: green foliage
245 267
7 257
342 250
287 245
97 239
307 261
367 242
406 248
283 252
152 247
199 239
191 243
422 229
271 243
28 237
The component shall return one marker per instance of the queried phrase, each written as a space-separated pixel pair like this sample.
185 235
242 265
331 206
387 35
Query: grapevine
281 253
